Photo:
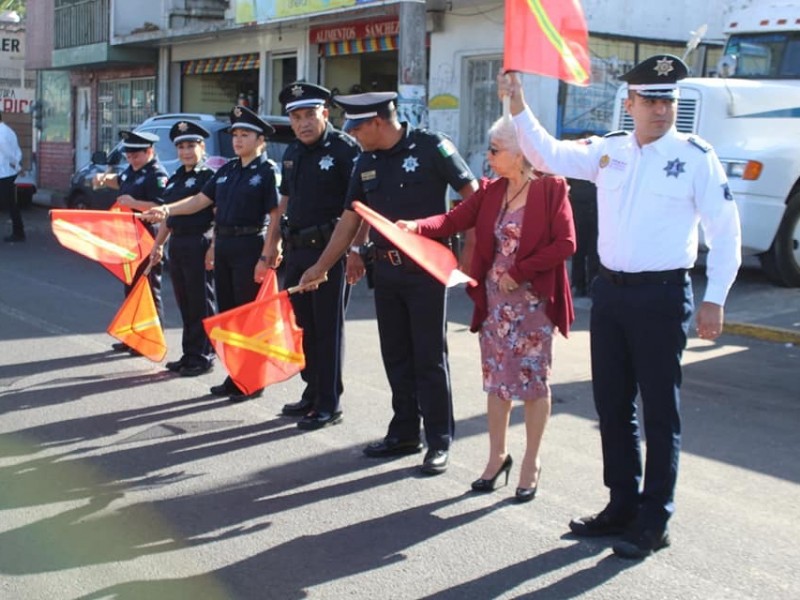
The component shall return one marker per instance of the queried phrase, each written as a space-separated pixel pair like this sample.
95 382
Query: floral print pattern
516 338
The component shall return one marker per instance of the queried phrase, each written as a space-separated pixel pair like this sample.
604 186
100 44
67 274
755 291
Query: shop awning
374 44
221 64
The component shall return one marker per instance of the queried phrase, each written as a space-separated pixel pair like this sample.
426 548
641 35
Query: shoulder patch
699 143
616 134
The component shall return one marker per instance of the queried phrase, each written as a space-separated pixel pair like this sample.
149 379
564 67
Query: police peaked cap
303 95
657 76
244 118
360 107
187 131
137 140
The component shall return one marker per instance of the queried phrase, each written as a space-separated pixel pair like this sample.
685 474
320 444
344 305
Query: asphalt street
120 481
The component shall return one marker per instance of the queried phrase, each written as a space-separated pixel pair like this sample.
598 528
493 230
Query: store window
480 95
214 85
54 110
123 104
284 72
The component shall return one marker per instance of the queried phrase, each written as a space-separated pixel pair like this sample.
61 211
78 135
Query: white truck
750 113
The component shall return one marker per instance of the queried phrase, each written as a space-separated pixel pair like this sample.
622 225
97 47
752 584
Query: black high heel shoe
487 485
528 494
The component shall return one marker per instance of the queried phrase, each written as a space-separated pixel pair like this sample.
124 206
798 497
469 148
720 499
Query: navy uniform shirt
315 178
409 180
147 183
243 196
184 184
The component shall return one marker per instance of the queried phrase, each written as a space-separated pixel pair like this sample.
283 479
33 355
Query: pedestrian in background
585 262
10 166
244 195
403 173
654 186
316 171
523 237
141 187
190 257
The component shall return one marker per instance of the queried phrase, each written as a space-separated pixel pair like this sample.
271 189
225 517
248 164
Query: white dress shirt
650 199
10 153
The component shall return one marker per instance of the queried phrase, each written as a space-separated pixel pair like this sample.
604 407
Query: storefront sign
259 11
16 100
354 31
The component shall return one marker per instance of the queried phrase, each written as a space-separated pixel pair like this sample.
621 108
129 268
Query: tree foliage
17 5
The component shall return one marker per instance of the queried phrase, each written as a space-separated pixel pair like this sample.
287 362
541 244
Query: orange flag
259 342
269 287
429 254
137 323
548 37
117 240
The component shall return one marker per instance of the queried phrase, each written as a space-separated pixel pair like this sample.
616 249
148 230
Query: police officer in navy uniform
141 187
189 244
403 173
653 187
244 195
316 171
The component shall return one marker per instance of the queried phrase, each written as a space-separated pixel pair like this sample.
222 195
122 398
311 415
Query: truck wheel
782 262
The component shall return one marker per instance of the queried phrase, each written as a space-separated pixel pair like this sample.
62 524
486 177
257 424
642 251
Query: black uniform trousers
638 334
411 308
8 197
194 293
585 261
321 316
235 259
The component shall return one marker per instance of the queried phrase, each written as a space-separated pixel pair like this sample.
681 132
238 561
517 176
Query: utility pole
412 76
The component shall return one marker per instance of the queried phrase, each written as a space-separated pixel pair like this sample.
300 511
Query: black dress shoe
174 365
226 388
120 347
297 409
318 420
638 543
393 447
240 396
606 522
435 462
194 370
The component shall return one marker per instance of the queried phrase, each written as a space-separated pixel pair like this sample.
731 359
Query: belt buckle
394 258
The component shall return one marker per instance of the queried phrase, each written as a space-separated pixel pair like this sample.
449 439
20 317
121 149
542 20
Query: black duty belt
189 230
236 230
315 236
621 278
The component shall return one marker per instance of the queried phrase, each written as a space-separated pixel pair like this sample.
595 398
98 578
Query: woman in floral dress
524 234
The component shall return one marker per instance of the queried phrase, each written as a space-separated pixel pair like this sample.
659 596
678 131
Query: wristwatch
262 258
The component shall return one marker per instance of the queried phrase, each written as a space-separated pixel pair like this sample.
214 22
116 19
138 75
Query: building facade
113 63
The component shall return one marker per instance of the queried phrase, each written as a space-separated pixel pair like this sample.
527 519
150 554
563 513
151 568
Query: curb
763 332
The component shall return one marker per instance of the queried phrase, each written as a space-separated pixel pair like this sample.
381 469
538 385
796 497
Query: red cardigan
546 242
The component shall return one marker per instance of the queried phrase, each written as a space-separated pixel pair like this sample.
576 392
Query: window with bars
482 109
123 104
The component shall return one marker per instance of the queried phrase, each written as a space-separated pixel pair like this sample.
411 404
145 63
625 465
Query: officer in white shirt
654 186
10 165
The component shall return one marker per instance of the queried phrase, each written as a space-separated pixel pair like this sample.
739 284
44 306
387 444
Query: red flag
429 254
117 240
548 37
137 323
269 287
259 342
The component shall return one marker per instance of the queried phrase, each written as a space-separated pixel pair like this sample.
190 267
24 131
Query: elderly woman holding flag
523 236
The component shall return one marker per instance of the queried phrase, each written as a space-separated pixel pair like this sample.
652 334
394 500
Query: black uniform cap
361 107
244 118
303 95
187 131
657 76
137 140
